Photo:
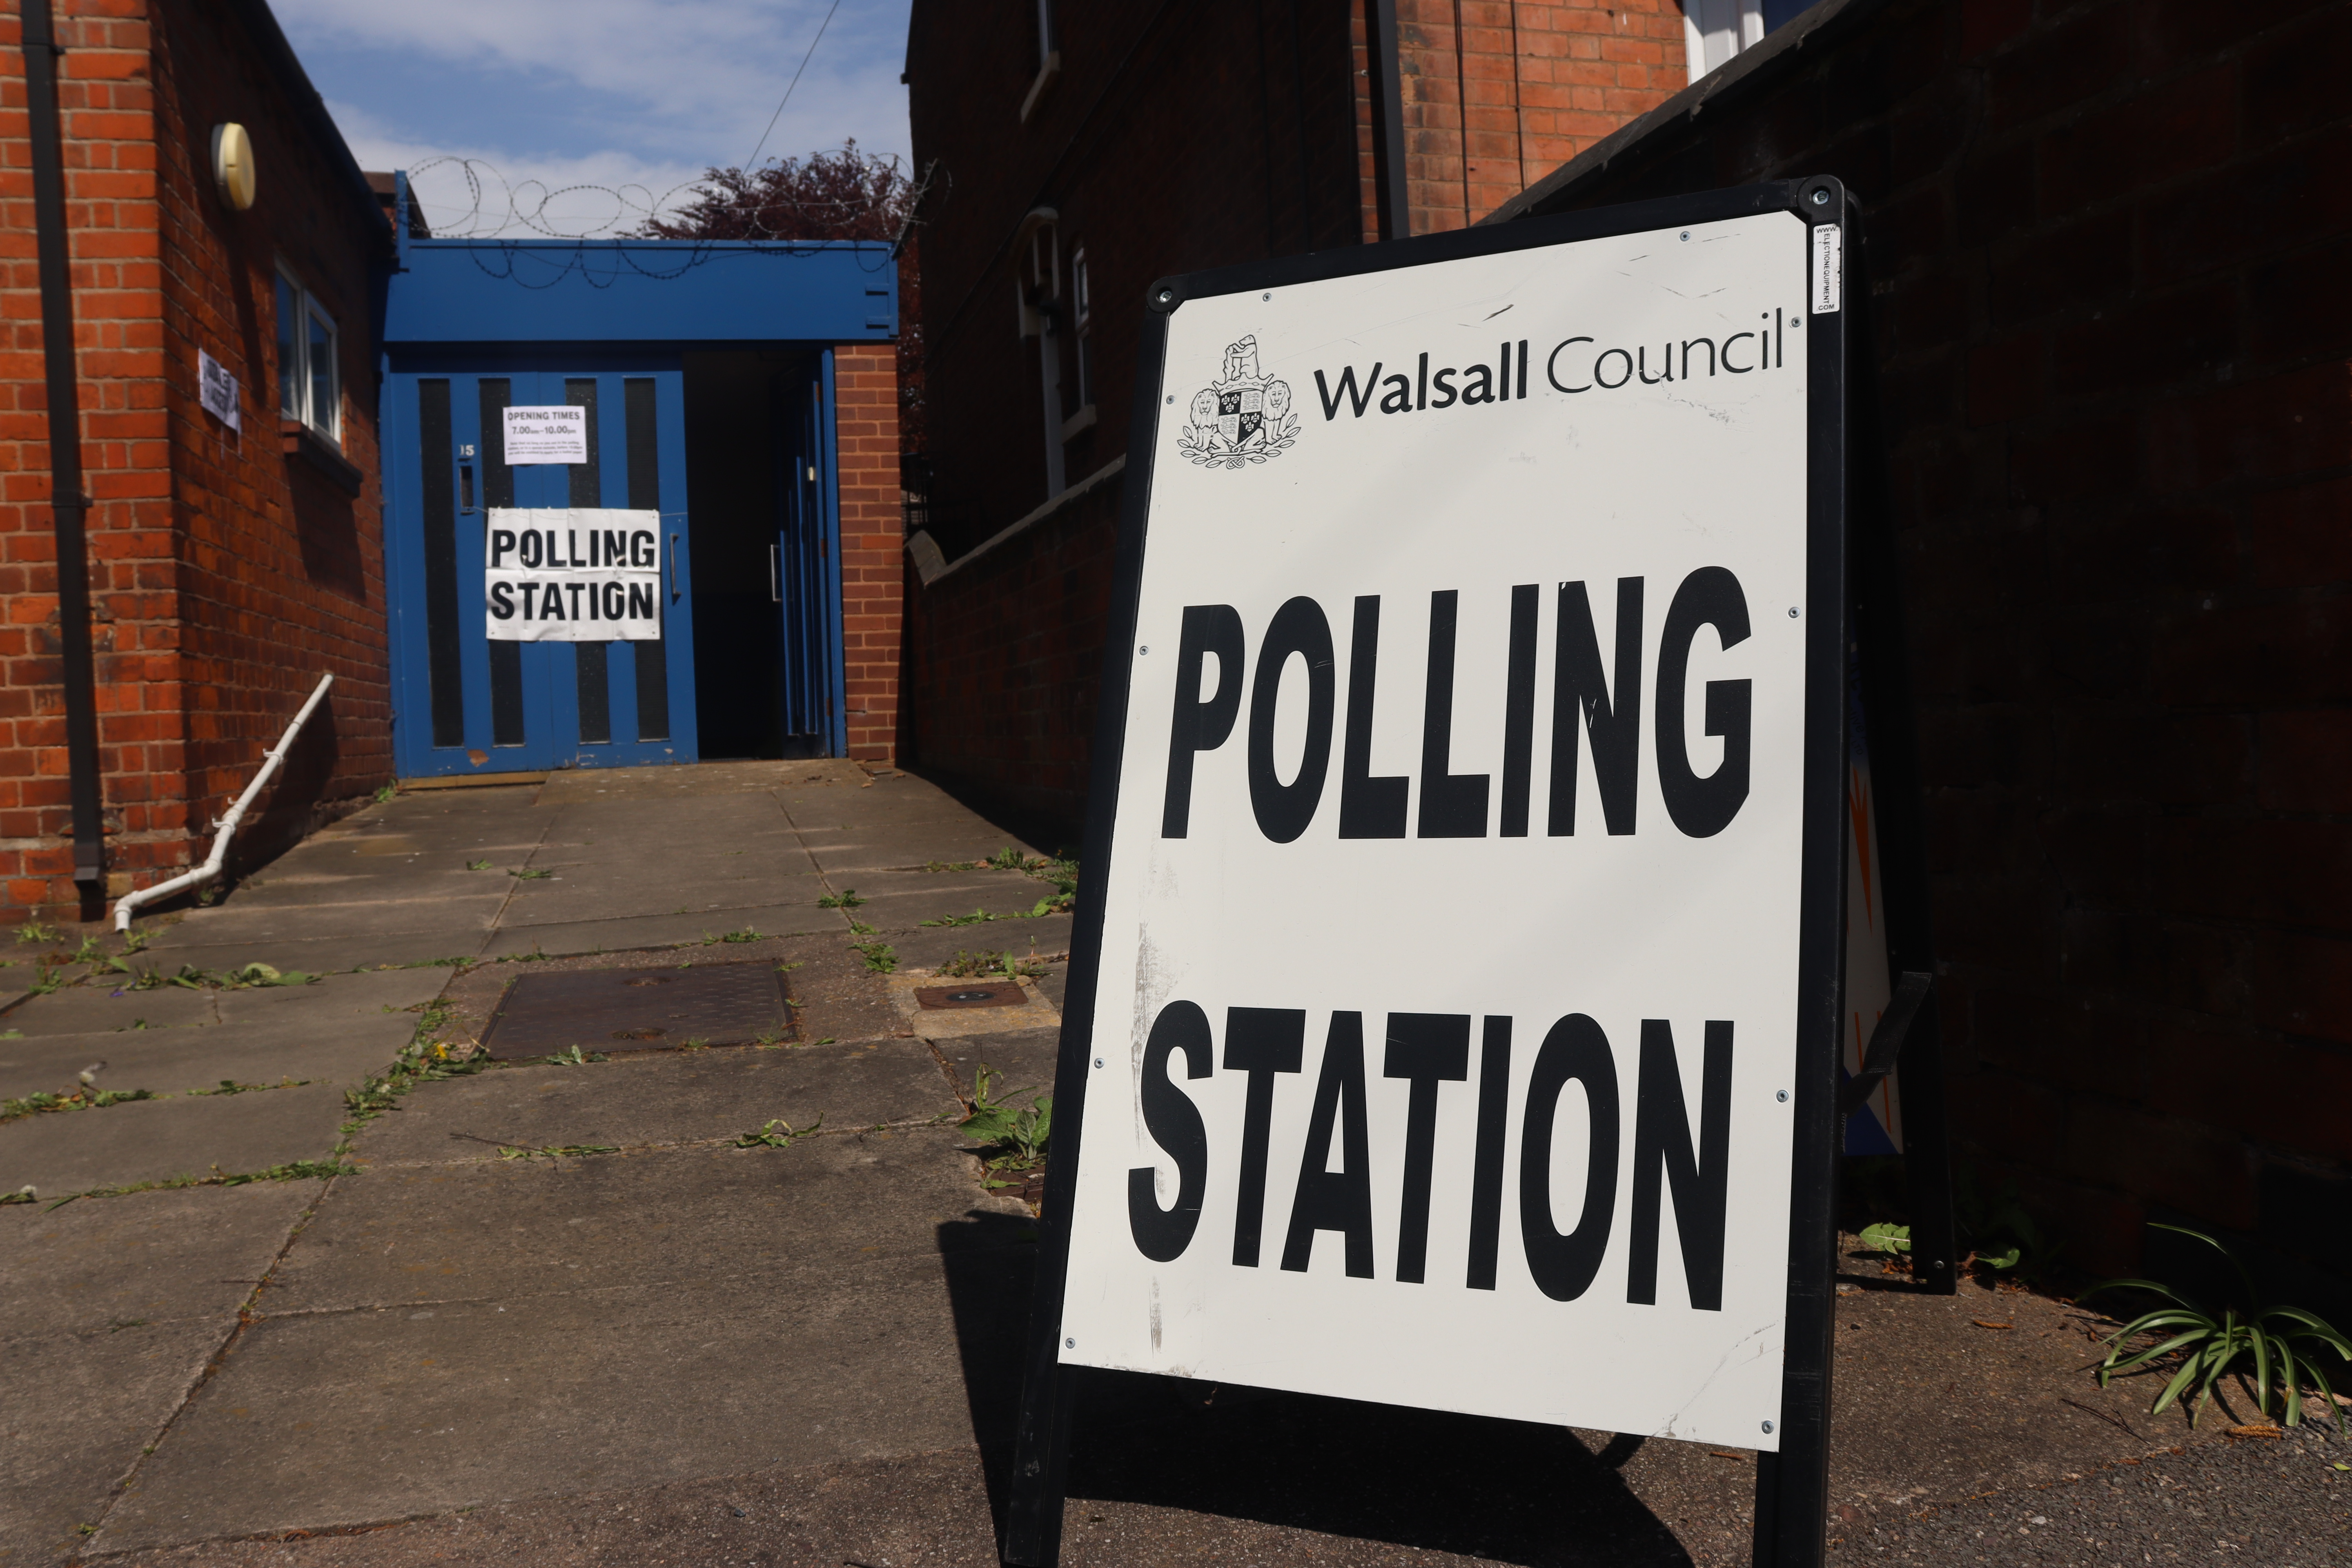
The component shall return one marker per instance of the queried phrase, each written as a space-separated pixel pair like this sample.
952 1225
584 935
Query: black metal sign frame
1792 1484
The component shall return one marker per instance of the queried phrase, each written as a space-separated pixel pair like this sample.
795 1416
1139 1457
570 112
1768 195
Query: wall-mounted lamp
232 165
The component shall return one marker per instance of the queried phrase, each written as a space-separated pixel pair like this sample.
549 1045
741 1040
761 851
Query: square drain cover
983 994
638 1010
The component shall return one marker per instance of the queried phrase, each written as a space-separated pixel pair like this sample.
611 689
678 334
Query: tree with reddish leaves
842 195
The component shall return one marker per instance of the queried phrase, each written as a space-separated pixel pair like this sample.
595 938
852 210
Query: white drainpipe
226 827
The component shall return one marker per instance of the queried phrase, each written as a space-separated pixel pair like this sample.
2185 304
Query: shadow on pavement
1506 1490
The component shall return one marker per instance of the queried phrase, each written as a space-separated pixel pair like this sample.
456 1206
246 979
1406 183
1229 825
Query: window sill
299 440
1046 74
1083 420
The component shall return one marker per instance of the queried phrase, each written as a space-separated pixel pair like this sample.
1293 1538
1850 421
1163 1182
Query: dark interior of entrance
742 461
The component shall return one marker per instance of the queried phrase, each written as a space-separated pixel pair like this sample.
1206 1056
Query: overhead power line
753 162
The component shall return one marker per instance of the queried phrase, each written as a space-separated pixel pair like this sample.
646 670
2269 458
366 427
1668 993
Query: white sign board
557 435
572 574
217 388
1448 1004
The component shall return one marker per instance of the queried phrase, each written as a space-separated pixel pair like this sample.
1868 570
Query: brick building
1092 148
2104 242
231 564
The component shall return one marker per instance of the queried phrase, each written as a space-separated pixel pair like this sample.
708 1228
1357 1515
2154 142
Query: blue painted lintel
674 291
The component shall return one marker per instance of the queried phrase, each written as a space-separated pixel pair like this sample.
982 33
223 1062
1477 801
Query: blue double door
466 704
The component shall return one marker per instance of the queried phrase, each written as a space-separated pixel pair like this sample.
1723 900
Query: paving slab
76 1410
160 1257
901 799
657 1097
175 1061
1046 937
156 1140
699 779
1024 1057
859 849
624 933
330 1418
898 901
520 1231
329 955
336 996
577 893
100 1009
333 893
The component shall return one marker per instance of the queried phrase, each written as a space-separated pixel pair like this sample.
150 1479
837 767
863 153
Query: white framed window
309 375
1715 30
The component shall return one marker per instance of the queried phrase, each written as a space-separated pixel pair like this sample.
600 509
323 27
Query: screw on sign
1501 612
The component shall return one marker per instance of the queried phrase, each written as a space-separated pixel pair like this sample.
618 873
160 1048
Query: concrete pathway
401 1326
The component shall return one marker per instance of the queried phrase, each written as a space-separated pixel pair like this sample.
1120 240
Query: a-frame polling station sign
1455 1018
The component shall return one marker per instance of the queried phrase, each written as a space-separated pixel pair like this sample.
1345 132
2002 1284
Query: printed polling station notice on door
572 574
1449 985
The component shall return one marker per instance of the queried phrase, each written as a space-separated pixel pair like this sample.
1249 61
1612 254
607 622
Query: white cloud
705 75
603 191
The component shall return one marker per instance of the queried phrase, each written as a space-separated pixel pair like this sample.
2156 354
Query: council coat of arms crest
1243 417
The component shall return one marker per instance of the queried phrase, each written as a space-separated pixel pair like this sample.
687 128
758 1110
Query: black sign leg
1926 1158
1041 1462
1792 1486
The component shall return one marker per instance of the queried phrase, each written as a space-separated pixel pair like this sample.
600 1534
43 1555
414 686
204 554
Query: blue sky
642 94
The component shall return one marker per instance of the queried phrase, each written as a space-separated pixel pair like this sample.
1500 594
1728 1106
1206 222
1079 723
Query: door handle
673 569
775 574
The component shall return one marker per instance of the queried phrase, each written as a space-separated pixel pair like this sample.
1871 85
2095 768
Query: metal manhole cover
638 1010
1001 993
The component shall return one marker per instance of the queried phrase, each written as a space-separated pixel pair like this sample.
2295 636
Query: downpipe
226 829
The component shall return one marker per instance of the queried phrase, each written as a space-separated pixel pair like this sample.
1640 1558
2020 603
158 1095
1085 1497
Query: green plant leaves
1889 1239
2211 1349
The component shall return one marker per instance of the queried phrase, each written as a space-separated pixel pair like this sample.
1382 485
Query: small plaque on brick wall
217 388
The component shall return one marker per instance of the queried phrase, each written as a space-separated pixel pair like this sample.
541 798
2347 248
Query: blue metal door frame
550 695
828 465
614 311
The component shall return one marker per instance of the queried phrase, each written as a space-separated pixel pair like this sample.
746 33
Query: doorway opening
757 481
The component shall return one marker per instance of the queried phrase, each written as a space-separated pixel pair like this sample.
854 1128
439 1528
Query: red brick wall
1201 138
2110 243
1005 695
1173 140
225 577
1499 93
873 542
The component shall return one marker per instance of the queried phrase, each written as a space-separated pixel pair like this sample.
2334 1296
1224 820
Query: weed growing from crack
575 1058
530 874
33 930
422 1060
478 865
83 1098
778 1134
966 965
880 957
1016 1141
230 1086
847 899
557 1151
293 1170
